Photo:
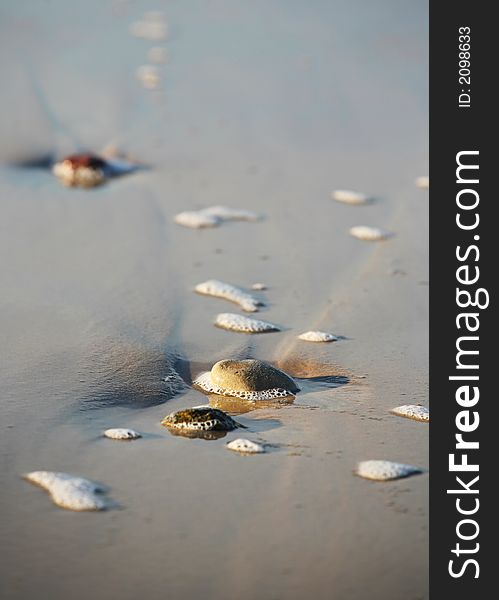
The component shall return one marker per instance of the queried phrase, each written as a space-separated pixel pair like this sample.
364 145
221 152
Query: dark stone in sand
200 419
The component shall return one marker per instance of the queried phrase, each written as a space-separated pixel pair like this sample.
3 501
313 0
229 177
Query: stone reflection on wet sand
200 435
238 406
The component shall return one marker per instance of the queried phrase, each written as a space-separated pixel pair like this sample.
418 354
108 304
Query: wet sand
266 107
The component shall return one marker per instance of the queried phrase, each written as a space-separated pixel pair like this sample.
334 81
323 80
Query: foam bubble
196 219
219 289
68 491
120 433
412 411
385 470
350 197
370 234
244 446
240 323
317 336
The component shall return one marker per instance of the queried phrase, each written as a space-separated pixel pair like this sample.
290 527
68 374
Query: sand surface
267 106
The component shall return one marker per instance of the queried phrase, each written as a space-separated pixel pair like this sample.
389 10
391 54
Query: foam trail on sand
219 289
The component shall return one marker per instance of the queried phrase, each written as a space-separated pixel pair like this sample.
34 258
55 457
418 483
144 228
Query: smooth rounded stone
214 216
204 382
250 375
244 446
317 336
385 470
81 170
68 491
242 324
200 419
412 411
247 379
423 182
120 433
350 197
219 289
370 234
258 287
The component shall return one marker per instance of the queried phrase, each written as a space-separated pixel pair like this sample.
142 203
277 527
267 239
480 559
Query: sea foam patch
385 470
121 433
350 197
317 336
219 289
244 446
196 219
214 216
412 411
242 324
370 234
68 491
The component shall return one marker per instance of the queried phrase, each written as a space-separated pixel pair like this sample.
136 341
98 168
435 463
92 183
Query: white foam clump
196 219
318 336
205 383
385 470
120 433
152 27
258 287
68 491
243 324
423 182
213 216
148 75
350 197
412 411
219 289
370 234
244 446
